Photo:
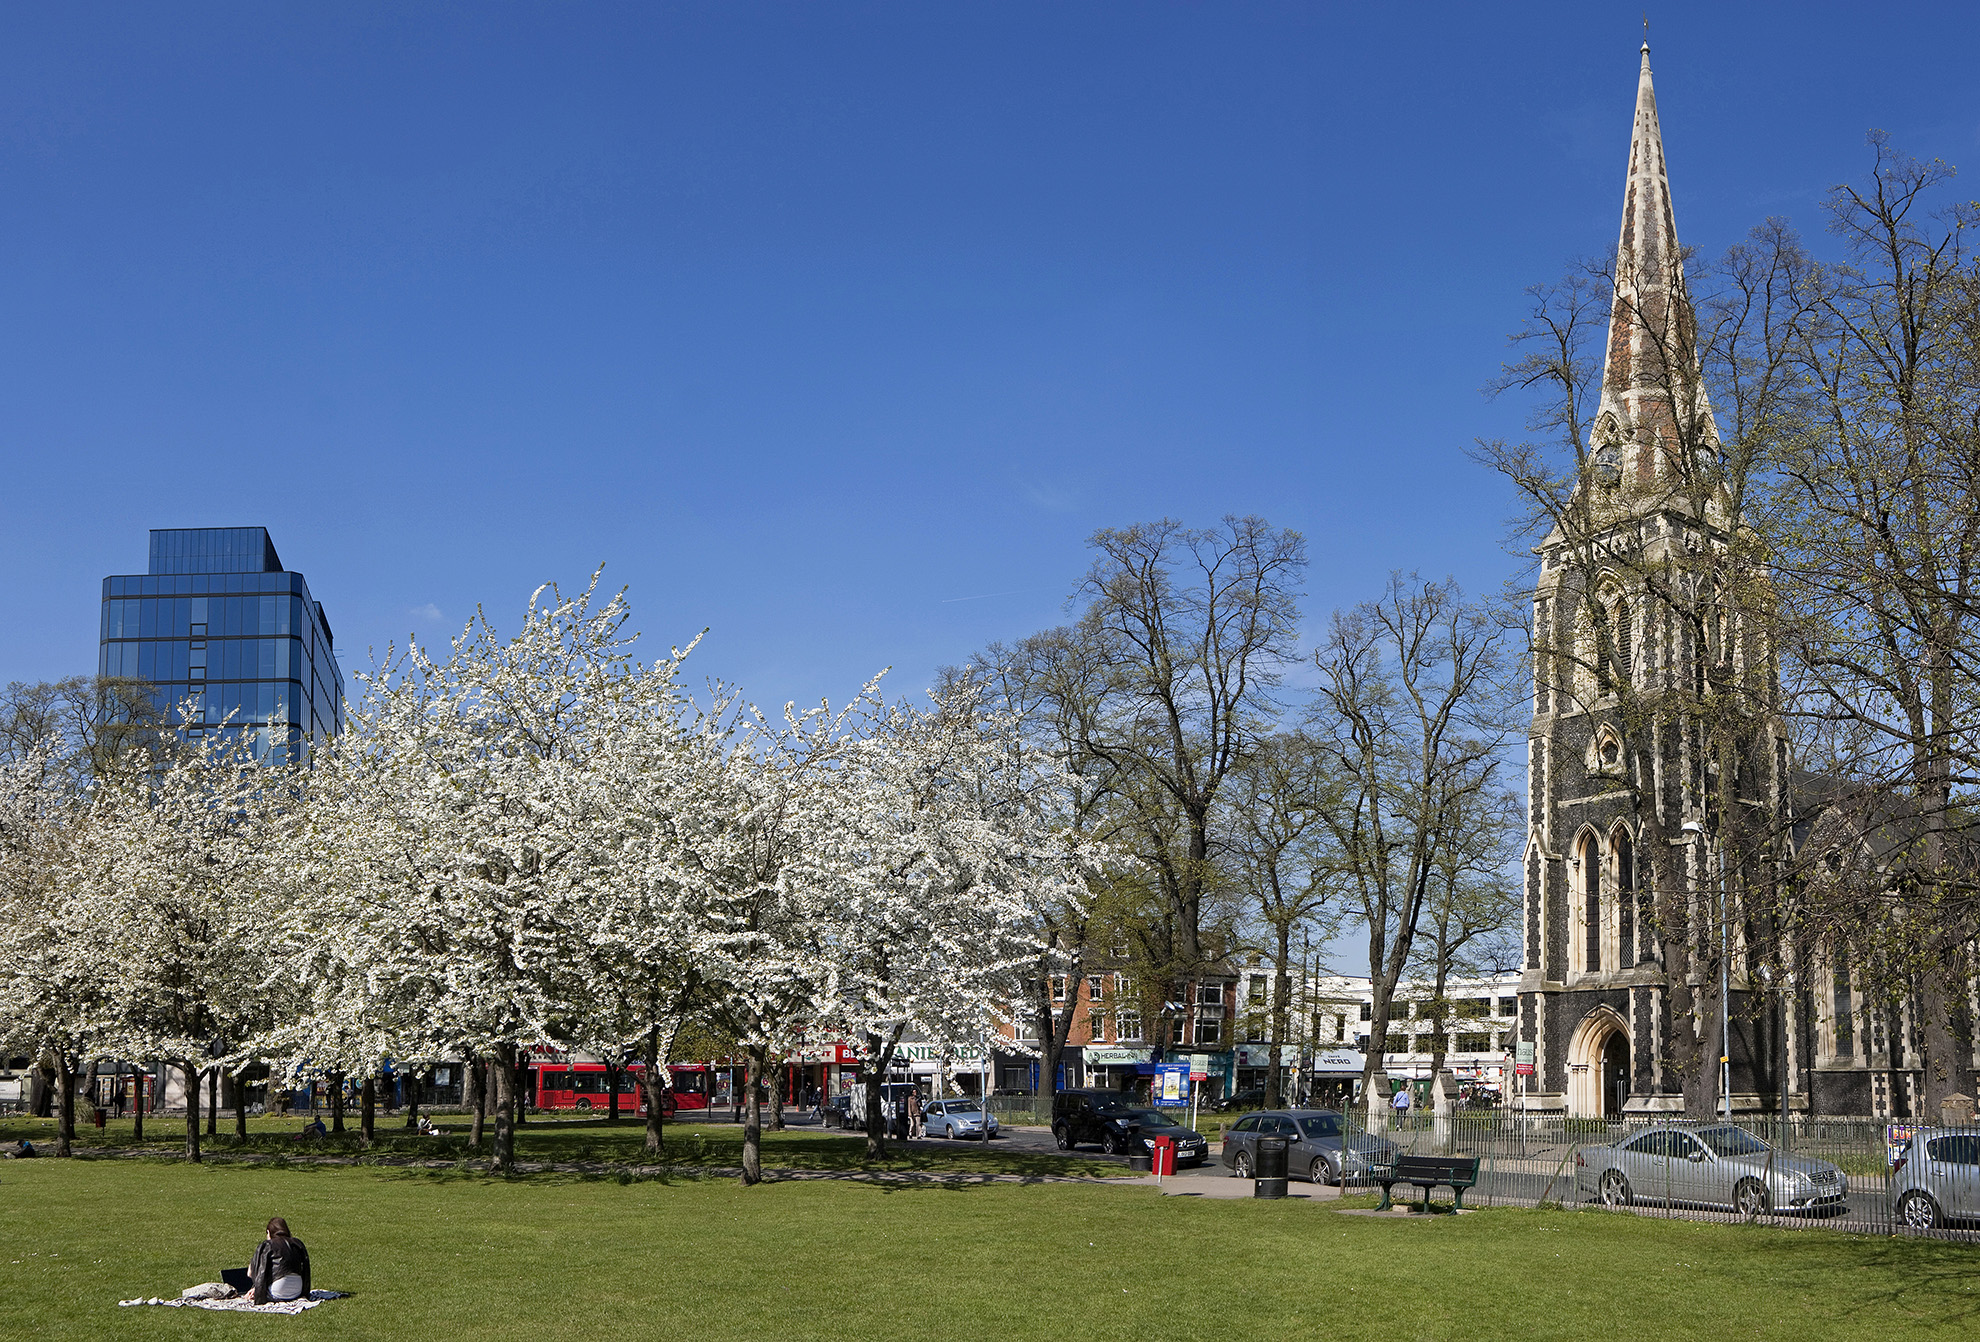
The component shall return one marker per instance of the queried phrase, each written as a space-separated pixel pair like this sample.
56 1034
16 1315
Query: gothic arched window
1591 903
1625 855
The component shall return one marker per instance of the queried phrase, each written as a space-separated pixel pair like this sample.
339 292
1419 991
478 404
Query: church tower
1638 644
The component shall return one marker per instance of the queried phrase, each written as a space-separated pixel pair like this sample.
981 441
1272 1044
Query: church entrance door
1598 1065
1615 1074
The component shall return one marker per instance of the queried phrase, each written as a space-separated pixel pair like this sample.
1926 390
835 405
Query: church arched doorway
1615 1074
1598 1066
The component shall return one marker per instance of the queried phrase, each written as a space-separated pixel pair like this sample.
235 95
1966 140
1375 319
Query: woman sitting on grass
280 1270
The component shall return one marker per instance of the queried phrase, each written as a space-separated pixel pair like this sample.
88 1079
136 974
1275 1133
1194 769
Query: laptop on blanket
237 1277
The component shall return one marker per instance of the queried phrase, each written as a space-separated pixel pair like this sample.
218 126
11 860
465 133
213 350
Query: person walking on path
1401 1102
914 1113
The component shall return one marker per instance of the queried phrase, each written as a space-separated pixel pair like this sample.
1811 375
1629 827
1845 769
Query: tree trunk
65 1107
368 1111
777 1099
239 1082
412 1083
337 1102
752 1152
137 1103
519 1084
191 1070
213 1101
1281 1016
1444 1016
503 1065
476 1079
612 1091
878 1059
653 1082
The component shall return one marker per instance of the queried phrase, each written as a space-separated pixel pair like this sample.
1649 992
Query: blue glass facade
226 636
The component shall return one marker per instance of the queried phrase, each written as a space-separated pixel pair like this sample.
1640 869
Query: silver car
1314 1148
1935 1177
958 1118
1716 1166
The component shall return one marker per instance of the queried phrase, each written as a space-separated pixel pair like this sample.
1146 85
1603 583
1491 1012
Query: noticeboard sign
1172 1085
1525 1053
1522 1069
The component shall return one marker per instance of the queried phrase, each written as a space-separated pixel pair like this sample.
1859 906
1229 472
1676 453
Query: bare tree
1413 712
1278 858
1876 551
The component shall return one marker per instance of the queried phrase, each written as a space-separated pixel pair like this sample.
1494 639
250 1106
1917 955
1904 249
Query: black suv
1090 1116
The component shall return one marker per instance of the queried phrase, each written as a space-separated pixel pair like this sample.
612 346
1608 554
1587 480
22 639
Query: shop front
1336 1077
1117 1068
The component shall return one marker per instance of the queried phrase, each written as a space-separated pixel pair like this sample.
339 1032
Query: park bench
1456 1173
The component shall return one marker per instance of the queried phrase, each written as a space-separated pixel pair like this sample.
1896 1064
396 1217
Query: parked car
1716 1166
1145 1125
1090 1117
1243 1100
1935 1178
1317 1146
957 1118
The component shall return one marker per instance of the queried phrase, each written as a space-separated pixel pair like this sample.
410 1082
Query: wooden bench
1456 1173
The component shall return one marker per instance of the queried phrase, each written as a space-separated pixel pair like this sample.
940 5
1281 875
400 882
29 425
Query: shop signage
1339 1061
1115 1057
1525 1053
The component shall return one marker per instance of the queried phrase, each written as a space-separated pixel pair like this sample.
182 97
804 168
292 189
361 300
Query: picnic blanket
197 1297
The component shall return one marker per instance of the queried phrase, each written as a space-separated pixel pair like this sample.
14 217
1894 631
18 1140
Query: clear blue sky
833 328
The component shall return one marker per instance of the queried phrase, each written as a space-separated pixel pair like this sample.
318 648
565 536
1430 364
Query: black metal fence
1865 1176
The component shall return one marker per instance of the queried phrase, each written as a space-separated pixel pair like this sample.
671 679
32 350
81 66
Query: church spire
1651 352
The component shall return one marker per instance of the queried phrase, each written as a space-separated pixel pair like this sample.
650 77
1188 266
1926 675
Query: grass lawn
444 1254
573 1139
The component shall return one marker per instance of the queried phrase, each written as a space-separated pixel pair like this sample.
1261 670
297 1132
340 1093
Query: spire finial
1646 32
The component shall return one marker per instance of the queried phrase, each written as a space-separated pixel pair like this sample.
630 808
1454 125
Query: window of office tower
226 639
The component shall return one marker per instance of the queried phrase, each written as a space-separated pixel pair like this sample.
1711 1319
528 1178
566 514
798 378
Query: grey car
1935 1178
1314 1145
1715 1166
957 1118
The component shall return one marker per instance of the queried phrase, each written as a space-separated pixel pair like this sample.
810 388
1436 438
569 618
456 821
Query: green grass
572 1140
452 1255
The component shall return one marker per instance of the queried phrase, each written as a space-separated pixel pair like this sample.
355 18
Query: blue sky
835 329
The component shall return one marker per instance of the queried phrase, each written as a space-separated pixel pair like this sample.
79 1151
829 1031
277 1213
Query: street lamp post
1725 976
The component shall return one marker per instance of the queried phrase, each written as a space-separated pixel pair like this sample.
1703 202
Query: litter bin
1165 1155
1271 1180
99 1120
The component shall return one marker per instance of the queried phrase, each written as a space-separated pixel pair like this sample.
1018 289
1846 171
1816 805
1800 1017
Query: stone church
1594 1020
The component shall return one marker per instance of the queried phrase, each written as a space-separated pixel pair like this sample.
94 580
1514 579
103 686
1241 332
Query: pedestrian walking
914 1114
1401 1102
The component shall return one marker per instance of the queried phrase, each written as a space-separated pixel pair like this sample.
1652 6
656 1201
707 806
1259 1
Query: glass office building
227 637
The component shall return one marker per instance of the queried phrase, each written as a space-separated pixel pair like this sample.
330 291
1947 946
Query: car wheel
1321 1173
1112 1145
1751 1198
1615 1189
1241 1167
584 1104
1918 1211
1063 1138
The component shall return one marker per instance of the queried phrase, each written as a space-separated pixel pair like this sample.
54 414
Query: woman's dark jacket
275 1259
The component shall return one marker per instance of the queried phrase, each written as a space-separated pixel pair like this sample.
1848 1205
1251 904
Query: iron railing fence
1797 1172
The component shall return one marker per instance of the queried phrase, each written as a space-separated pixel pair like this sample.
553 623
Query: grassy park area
452 1253
562 1141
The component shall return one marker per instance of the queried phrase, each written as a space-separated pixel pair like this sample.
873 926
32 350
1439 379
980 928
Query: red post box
1165 1155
